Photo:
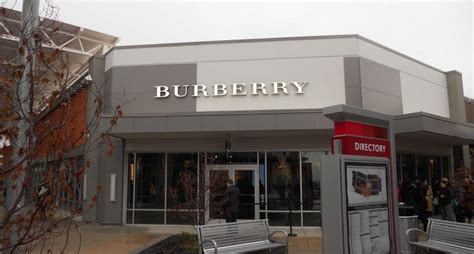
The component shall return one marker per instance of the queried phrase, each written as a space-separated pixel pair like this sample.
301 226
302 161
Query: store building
250 110
76 44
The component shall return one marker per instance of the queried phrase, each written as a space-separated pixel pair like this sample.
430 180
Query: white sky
437 33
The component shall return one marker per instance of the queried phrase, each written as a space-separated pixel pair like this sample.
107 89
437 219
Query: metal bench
239 237
445 236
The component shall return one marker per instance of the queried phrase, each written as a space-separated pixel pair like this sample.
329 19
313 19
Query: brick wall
68 122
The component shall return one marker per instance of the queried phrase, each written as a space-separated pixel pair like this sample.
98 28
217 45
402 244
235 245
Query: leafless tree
192 196
46 135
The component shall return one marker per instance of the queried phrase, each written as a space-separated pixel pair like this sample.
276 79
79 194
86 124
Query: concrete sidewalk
105 239
102 239
308 240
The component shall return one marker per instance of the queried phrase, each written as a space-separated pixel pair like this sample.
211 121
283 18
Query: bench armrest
282 232
210 241
409 231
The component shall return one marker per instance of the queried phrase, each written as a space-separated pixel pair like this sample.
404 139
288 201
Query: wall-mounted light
112 187
84 188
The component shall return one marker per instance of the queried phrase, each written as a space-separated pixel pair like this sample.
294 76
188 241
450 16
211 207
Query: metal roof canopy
78 44
425 127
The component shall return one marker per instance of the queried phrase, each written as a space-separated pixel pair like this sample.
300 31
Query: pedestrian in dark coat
446 196
230 202
421 202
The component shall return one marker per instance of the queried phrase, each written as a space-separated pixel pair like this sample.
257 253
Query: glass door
245 178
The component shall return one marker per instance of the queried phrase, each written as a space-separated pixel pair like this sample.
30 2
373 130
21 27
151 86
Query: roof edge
275 39
425 114
269 39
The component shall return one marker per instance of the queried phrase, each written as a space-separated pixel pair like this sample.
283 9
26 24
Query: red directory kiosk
359 205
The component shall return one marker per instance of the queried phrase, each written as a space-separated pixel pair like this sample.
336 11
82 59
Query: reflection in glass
217 186
131 176
445 165
149 217
150 181
261 179
458 159
311 180
282 219
408 166
423 166
245 182
182 188
435 169
471 154
283 180
399 169
129 217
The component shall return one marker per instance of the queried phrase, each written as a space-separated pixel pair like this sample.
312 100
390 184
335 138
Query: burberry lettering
234 89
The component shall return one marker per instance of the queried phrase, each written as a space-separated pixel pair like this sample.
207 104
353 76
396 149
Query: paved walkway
306 241
104 239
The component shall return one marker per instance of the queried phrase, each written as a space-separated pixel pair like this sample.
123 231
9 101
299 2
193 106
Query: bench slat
460 234
441 247
449 236
236 237
247 248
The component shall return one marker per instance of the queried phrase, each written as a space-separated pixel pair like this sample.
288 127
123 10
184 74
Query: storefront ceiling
258 123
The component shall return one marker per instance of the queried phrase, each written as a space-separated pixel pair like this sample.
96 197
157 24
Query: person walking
445 197
458 198
230 204
468 202
421 203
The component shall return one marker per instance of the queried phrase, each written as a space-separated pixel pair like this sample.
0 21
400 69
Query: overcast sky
437 33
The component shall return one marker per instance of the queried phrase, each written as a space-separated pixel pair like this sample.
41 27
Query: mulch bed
176 244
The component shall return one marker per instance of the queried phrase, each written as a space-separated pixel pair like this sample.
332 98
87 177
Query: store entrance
245 178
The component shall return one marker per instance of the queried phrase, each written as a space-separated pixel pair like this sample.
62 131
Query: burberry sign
234 89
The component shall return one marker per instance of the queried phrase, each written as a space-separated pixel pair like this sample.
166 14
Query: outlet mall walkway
102 239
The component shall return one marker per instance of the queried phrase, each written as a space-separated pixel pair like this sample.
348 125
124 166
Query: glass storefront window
311 179
150 181
471 154
182 188
435 169
445 165
261 179
282 218
129 217
149 217
429 167
408 167
283 178
131 176
287 177
458 159
399 169
422 166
